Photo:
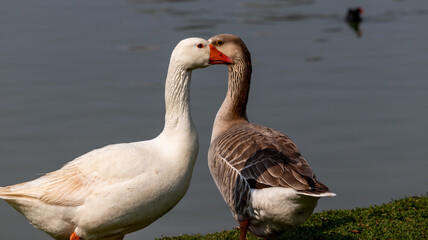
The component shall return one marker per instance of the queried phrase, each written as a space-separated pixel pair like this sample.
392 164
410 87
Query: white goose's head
192 53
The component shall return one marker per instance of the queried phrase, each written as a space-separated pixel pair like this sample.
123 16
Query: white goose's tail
17 191
7 193
3 192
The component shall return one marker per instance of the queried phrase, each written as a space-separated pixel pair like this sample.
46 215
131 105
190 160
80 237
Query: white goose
121 188
260 173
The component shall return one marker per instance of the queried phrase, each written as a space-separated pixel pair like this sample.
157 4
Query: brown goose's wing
249 156
226 173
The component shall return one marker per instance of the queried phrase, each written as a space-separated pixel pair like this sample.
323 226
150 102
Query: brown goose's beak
217 57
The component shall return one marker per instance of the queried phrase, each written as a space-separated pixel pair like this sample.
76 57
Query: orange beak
217 57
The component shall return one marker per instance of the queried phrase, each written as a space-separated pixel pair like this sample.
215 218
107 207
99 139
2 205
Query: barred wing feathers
250 156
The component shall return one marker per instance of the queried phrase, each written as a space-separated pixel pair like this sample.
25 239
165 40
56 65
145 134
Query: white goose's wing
70 185
64 187
249 156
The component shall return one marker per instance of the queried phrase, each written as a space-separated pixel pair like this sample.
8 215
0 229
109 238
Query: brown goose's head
232 46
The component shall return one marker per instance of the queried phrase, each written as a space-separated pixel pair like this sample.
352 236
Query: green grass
400 219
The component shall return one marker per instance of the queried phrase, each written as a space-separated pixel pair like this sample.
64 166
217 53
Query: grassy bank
400 219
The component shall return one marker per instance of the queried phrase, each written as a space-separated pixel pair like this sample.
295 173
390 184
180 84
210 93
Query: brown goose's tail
317 189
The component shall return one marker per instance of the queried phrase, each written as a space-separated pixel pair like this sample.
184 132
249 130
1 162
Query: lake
79 75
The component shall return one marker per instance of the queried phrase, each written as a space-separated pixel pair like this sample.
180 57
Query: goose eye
200 45
219 42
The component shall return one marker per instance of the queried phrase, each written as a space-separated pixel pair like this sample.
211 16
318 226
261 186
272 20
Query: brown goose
260 172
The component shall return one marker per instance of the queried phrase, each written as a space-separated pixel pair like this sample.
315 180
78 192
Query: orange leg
74 237
243 227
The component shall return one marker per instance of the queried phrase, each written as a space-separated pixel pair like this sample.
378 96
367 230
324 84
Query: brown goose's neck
238 90
234 108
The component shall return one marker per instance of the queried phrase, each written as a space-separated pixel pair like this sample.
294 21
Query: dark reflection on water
393 15
170 11
274 4
142 48
268 18
158 1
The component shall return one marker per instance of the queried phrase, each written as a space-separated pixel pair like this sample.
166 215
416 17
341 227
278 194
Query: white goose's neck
177 98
